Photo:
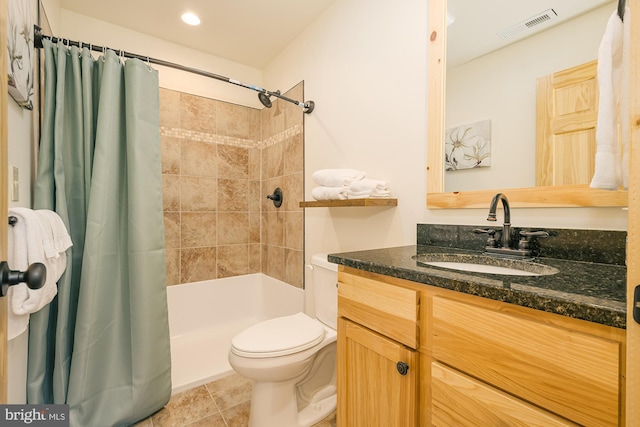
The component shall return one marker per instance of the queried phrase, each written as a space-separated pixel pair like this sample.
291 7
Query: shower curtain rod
263 94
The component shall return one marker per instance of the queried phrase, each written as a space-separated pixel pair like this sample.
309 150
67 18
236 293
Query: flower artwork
19 52
468 146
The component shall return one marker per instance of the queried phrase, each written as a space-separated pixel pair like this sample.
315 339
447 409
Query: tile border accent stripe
229 140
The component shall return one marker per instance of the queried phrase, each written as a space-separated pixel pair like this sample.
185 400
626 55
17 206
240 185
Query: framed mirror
440 195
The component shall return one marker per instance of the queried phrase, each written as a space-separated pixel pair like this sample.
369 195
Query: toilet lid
278 337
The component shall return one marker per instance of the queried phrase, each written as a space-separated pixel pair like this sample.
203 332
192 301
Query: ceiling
254 32
249 32
476 25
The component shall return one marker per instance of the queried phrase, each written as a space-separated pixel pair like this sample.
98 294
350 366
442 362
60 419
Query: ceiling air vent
528 26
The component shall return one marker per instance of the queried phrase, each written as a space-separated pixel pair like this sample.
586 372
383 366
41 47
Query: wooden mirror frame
551 196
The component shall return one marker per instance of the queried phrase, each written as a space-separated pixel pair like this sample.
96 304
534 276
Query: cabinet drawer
570 373
387 309
459 400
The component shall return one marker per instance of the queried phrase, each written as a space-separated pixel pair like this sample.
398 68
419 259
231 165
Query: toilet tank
325 290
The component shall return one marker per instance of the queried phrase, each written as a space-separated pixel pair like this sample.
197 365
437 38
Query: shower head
264 99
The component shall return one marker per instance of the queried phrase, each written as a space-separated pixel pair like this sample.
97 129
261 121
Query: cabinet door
371 390
567 372
459 400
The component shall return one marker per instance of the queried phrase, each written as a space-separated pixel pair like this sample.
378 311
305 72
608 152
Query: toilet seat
278 337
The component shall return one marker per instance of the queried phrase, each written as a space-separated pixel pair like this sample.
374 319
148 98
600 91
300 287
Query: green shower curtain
102 345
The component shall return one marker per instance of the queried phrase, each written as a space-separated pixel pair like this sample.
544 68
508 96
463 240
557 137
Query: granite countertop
584 290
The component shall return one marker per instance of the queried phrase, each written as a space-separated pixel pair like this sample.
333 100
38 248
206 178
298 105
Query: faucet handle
539 233
525 243
491 241
489 231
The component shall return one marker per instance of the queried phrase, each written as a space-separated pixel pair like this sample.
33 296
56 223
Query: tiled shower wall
219 163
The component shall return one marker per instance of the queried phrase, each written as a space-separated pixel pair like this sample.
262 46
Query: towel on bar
337 177
625 98
329 193
56 241
27 239
608 164
368 184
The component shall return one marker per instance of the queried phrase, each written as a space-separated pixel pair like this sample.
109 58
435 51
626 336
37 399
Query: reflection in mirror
548 52
493 63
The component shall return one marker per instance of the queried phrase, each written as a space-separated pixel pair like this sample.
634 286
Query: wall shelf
348 203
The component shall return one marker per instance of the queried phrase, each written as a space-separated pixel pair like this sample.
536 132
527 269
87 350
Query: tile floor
221 403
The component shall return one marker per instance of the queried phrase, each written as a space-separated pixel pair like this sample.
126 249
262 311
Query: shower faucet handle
277 197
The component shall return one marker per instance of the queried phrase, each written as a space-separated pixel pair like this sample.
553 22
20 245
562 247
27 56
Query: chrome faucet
506 227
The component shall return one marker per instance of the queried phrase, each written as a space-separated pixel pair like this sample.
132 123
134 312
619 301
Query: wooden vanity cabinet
478 361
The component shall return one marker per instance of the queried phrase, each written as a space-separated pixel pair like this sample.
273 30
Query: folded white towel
368 184
373 194
608 163
329 193
337 177
27 240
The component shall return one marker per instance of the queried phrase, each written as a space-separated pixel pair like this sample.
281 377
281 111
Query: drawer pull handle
402 368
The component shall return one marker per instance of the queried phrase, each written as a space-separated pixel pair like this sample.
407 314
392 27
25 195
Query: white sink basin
484 264
481 268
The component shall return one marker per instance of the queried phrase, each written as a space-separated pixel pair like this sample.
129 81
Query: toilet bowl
292 359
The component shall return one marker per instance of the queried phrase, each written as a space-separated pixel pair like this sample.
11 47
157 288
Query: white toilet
292 359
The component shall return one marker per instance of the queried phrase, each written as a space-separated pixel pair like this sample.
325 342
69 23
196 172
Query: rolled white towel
337 177
368 184
329 193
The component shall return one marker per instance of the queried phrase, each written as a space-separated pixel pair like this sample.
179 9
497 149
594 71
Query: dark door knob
34 277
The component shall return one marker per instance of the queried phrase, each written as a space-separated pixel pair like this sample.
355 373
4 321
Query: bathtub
204 317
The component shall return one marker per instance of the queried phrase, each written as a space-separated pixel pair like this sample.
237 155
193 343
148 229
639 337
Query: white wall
501 86
364 64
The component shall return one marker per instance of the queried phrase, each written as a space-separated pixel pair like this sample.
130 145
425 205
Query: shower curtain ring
149 65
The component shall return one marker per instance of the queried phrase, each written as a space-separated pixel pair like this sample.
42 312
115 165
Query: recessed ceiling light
190 18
